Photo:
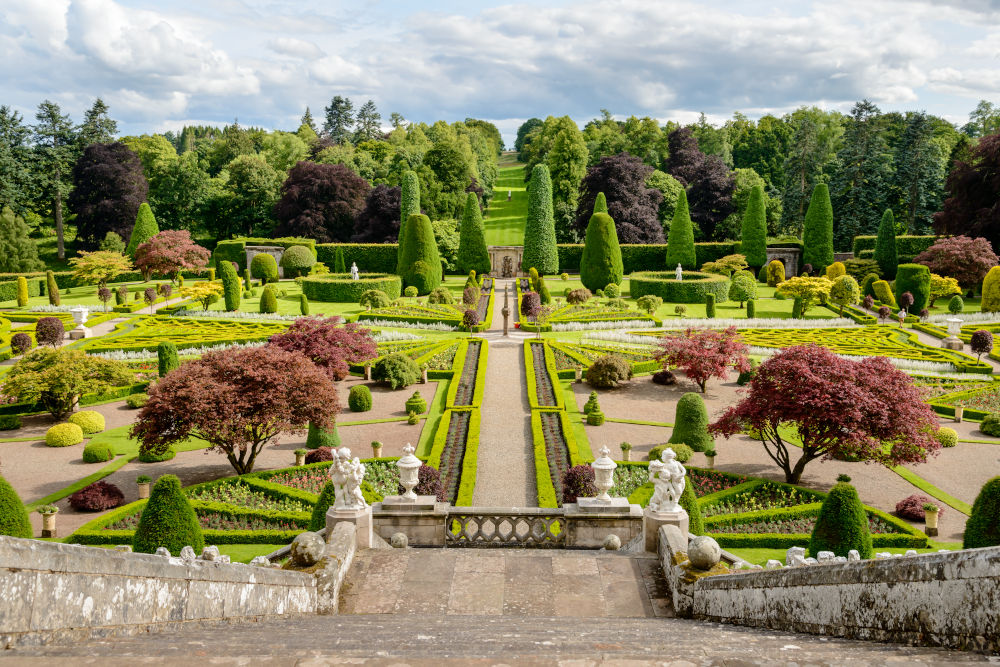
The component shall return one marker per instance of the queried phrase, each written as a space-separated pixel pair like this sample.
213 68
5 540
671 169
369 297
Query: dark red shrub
884 312
868 302
531 303
428 483
320 454
470 318
50 331
912 507
578 482
20 343
97 497
981 342
905 300
664 377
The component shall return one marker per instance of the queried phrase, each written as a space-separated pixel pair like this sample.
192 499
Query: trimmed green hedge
643 256
340 288
234 250
907 247
370 257
8 289
693 289
550 368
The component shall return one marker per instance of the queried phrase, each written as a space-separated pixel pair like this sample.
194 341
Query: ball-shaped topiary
410 291
743 288
97 452
691 423
956 305
440 295
297 261
609 370
612 291
983 527
14 519
578 296
991 425
136 401
775 273
318 437
97 497
20 343
416 403
359 398
948 437
683 452
915 279
396 370
264 267
64 435
470 319
50 331
842 524
167 520
147 456
90 421
326 499
374 299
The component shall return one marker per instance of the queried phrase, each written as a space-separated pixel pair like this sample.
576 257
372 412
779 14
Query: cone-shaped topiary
885 245
540 229
601 262
13 515
691 423
983 527
268 301
709 305
339 263
416 403
409 204
230 286
167 520
991 291
956 305
591 403
689 502
52 289
600 203
264 268
421 261
817 235
317 437
842 523
144 229
680 238
472 253
166 358
915 279
543 291
753 243
325 502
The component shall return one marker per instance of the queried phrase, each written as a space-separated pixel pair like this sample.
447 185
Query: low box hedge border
341 288
695 287
470 459
459 364
550 367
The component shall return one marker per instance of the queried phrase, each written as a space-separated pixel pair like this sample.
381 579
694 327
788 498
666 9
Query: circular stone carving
612 543
399 541
704 552
307 549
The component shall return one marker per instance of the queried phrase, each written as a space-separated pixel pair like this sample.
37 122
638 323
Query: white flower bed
621 337
758 323
967 318
385 336
603 324
393 324
142 355
48 308
235 315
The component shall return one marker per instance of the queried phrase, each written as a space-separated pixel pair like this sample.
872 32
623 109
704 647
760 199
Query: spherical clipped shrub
912 507
649 303
564 276
948 437
530 303
416 403
412 419
9 422
612 291
374 298
428 484
359 399
167 520
153 457
268 301
470 319
664 377
97 452
396 370
991 425
956 305
578 482
981 342
167 358
775 273
64 435
13 516
318 437
97 497
683 452
578 296
326 499
20 343
136 401
90 421
296 261
915 279
440 295
50 331
835 270
743 288
691 423
595 417
263 267
410 291
983 527
842 524
609 370
320 455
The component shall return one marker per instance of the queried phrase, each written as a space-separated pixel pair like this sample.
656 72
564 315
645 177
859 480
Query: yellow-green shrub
884 293
64 435
89 421
991 291
835 270
775 273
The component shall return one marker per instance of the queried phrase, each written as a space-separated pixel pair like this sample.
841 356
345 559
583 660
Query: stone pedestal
423 520
651 522
362 520
953 343
589 522
80 332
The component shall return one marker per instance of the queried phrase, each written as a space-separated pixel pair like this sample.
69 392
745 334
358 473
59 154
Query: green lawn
505 219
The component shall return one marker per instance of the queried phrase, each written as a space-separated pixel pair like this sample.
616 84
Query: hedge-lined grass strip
432 420
932 490
638 422
76 486
543 476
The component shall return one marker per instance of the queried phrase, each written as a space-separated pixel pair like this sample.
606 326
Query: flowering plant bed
382 474
147 332
467 388
756 497
540 368
242 495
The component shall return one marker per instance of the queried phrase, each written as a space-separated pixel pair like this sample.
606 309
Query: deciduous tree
704 353
328 343
378 221
631 203
972 207
321 201
810 289
108 187
965 259
18 252
101 266
170 252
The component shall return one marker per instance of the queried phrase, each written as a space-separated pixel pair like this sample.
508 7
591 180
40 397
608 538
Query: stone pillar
423 521
589 523
651 522
423 376
368 372
361 518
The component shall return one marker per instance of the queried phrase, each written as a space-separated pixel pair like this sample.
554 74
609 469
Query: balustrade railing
505 527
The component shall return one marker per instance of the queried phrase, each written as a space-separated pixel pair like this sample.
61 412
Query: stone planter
423 376
49 525
931 523
626 455
300 459
710 460
144 490
959 411
377 452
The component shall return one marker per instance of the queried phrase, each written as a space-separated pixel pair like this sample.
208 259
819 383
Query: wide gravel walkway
505 476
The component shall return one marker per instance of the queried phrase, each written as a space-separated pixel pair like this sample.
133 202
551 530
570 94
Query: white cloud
297 48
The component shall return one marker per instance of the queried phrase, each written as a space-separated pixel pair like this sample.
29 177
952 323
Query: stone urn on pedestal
80 314
300 457
953 342
409 472
143 483
48 513
931 512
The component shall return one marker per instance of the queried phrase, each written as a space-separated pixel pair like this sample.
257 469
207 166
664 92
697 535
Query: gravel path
505 474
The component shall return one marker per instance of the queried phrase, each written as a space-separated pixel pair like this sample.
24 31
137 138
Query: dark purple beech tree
633 206
972 207
108 187
378 222
709 183
320 201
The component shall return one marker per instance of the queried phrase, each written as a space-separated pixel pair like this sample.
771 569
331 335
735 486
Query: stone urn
377 449
409 472
604 475
48 513
710 458
143 483
300 457
626 451
959 411
931 512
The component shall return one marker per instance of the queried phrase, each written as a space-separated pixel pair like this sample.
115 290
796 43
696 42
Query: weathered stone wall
59 592
944 599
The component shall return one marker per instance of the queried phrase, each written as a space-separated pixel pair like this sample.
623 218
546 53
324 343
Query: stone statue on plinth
347 474
354 271
679 273
668 478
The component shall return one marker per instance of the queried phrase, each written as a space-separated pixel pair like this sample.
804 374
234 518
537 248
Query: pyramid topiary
601 262
885 245
691 423
421 261
325 502
753 239
167 520
166 357
317 437
409 204
268 301
591 404
983 527
52 289
144 229
13 515
339 263
600 203
416 403
540 230
680 238
817 235
303 304
472 253
359 399
842 523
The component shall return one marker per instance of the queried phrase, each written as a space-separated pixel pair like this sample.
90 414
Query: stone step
442 639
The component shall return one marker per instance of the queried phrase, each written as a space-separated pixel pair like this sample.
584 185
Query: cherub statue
668 478
354 475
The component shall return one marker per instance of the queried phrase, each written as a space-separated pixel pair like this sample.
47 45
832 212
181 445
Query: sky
161 64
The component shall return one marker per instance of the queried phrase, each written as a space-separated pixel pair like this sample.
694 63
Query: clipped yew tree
991 291
326 498
601 262
915 279
842 524
817 234
166 358
691 424
983 527
145 228
472 253
600 203
232 288
540 229
167 520
419 250
753 244
680 239
409 204
13 515
885 245
688 500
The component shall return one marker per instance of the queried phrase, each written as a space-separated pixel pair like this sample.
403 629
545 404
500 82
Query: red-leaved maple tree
327 343
168 253
965 259
238 401
866 410
704 353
